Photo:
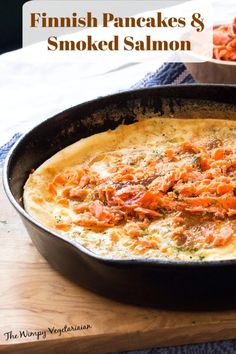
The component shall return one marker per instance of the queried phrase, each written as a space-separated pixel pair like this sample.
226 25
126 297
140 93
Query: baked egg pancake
160 188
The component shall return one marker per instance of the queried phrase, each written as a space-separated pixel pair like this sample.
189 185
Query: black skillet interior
149 283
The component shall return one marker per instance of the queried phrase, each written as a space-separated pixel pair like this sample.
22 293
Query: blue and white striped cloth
6 147
169 73
224 347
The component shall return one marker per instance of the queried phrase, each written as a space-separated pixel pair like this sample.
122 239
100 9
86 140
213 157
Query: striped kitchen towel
224 347
167 74
4 149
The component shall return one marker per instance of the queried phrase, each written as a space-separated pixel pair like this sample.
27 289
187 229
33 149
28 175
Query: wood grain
34 297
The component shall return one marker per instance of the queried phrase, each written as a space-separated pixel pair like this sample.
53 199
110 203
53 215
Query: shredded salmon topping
224 39
192 181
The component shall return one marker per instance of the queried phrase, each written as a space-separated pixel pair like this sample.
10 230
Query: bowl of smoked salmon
221 68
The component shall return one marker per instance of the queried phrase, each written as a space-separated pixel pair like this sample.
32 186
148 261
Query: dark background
11 25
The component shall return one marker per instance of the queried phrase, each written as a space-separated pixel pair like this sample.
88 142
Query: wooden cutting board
43 312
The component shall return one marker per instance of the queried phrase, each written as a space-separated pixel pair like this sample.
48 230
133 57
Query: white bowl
213 71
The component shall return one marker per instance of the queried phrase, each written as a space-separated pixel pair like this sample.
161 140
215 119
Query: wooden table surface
35 300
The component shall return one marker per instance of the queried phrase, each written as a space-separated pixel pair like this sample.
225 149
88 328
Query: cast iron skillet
163 284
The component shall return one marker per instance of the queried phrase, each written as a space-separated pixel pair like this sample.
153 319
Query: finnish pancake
158 188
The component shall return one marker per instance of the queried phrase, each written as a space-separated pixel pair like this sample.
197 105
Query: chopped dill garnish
176 193
58 218
196 159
